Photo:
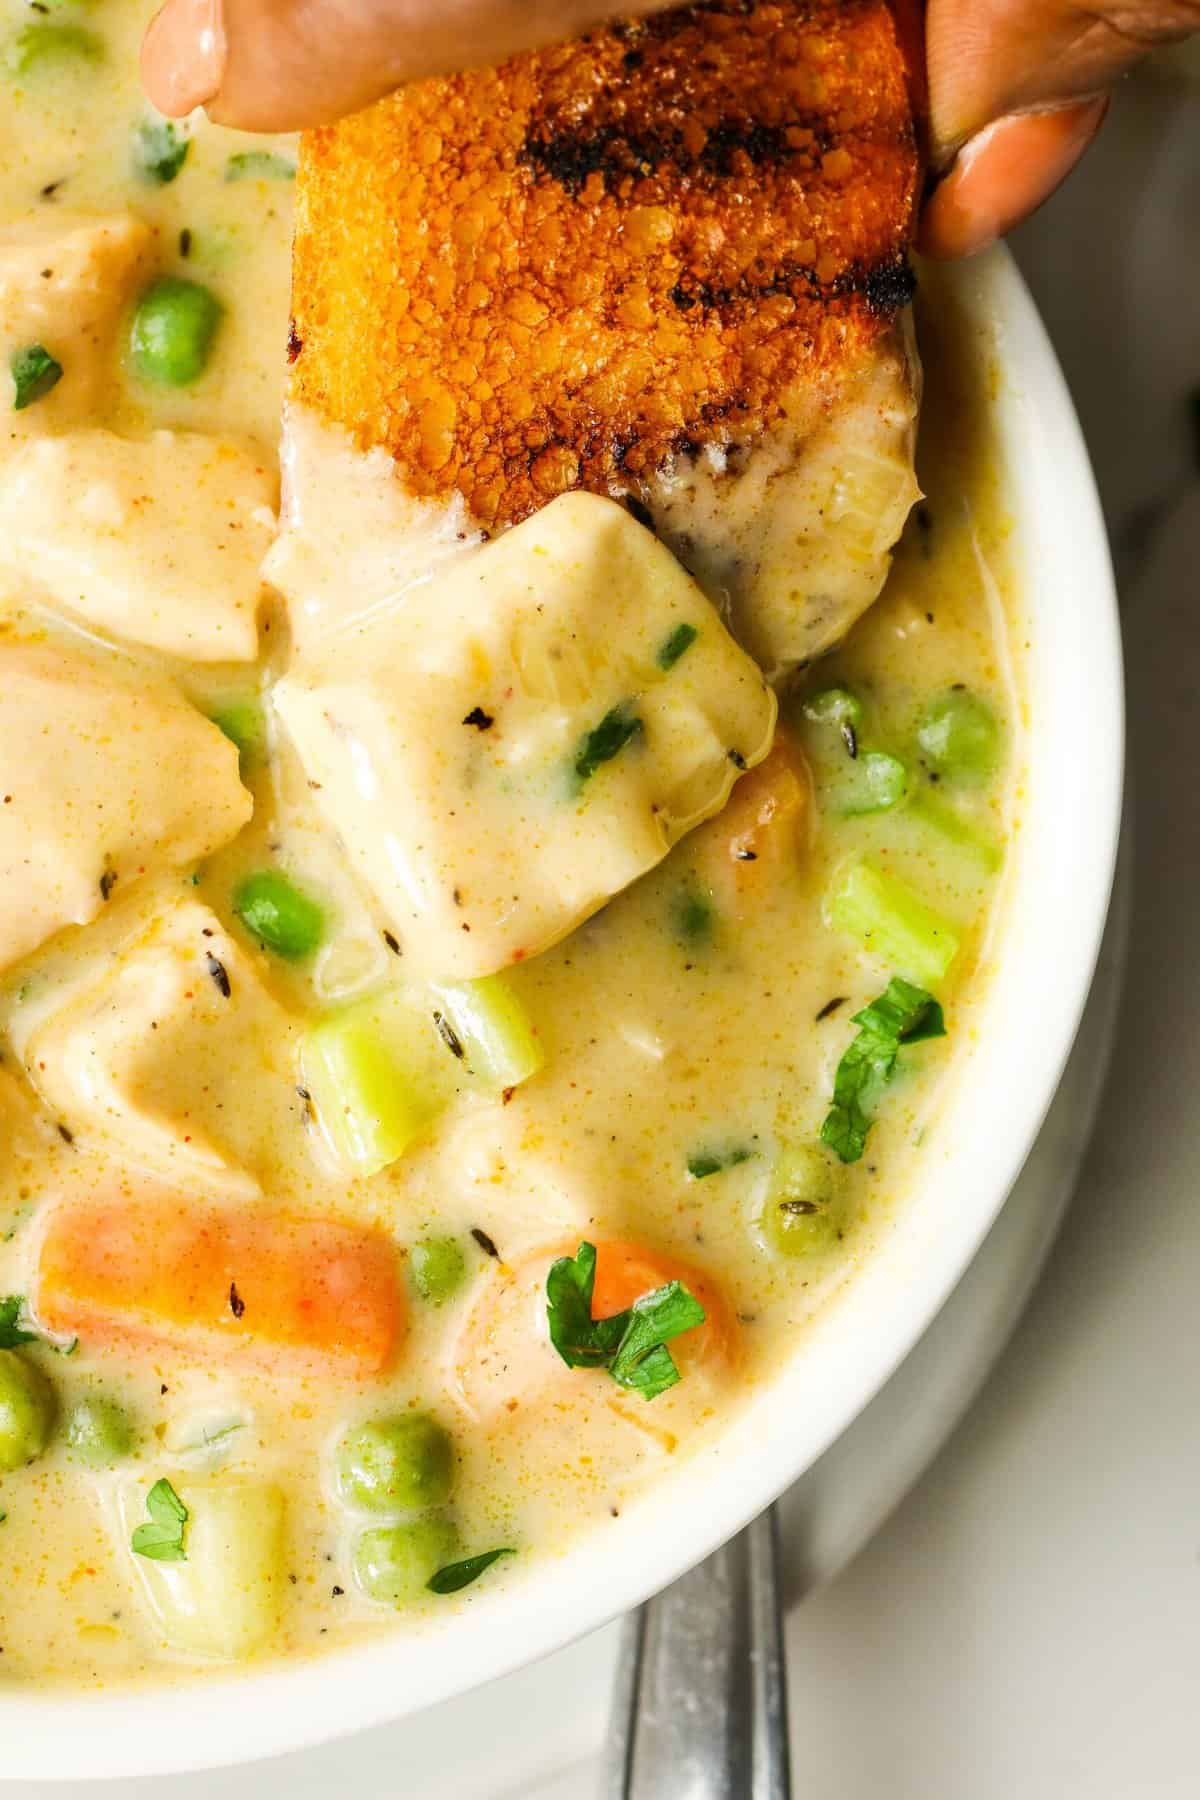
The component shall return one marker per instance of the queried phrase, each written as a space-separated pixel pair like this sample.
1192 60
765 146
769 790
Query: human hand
1018 88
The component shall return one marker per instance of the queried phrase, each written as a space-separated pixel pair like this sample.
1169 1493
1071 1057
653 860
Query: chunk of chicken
101 780
65 280
156 1051
666 262
508 749
158 541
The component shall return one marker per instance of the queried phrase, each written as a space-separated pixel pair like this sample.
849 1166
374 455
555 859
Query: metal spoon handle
700 1709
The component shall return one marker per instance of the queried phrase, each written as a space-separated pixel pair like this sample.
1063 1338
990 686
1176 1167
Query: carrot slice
504 1360
625 1271
759 835
257 1279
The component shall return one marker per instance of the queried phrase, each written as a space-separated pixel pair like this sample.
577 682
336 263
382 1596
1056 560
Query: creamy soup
358 1222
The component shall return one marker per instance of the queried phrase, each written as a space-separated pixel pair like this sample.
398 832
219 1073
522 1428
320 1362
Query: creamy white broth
663 1038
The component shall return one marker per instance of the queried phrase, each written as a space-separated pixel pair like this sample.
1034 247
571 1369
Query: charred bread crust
573 269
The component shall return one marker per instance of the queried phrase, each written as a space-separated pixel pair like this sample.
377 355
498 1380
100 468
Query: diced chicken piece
102 780
158 541
668 262
65 280
505 750
157 1052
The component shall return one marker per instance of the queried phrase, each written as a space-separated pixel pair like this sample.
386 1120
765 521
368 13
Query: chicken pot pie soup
487 930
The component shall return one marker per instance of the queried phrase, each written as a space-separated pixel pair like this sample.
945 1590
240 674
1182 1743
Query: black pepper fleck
482 721
486 1244
237 1305
220 975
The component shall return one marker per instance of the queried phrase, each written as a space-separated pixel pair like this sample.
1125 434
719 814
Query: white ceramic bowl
1057 907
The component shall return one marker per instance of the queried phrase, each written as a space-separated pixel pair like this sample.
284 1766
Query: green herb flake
631 1345
616 729
12 1334
674 646
904 1014
703 1163
693 917
259 165
34 373
459 1575
161 1539
159 150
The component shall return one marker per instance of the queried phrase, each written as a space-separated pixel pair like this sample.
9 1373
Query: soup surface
297 1309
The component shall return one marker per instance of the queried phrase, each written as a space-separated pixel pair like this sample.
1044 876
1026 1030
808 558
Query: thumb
280 65
990 58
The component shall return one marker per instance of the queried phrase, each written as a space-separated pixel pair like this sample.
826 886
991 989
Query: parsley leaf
904 1014
618 727
259 165
703 1163
673 647
11 1332
631 1345
461 1574
642 1361
34 373
159 150
162 1539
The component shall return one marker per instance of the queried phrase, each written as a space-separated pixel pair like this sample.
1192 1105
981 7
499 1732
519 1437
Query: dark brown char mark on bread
572 269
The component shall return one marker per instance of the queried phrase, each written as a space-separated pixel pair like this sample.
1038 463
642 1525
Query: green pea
872 782
804 1210
959 734
99 1431
26 1410
393 1563
438 1268
834 706
38 48
243 724
279 914
173 331
398 1464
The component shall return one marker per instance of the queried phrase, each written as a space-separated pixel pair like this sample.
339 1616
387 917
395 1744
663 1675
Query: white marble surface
1027 1624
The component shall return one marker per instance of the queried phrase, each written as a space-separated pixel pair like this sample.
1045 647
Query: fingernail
1004 173
183 56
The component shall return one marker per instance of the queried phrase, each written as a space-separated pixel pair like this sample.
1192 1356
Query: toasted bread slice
666 262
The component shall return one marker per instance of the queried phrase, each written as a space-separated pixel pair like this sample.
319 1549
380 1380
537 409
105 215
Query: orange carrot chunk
255 1279
625 1272
759 836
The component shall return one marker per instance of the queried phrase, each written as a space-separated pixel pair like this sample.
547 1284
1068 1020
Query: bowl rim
1063 880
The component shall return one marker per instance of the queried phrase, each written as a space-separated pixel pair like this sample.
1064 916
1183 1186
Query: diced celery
368 1087
223 1598
491 1025
930 809
893 922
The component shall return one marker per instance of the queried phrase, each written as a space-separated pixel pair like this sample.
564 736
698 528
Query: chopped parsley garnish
159 150
904 1014
693 916
706 1162
12 1333
631 1345
34 373
458 1575
616 729
161 1538
259 165
673 647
